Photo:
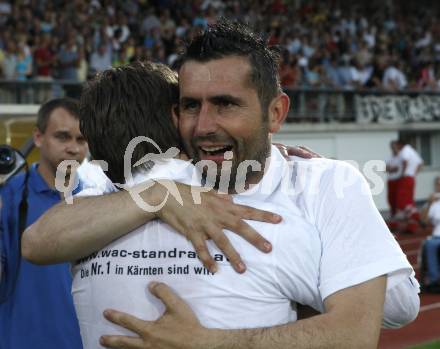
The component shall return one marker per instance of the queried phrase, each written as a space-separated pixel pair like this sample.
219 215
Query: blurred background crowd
325 44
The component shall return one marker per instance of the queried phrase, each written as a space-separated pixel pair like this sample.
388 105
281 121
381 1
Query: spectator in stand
121 57
411 165
150 22
101 59
427 78
47 23
307 47
332 74
83 69
346 73
8 70
10 60
5 11
406 33
23 71
360 74
394 78
314 73
290 73
122 26
431 214
377 74
363 54
45 60
68 60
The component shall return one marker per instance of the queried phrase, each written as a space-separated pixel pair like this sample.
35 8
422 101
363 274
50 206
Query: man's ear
175 115
37 135
278 109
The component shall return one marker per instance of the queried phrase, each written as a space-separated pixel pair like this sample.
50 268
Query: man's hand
300 151
60 235
352 320
177 328
207 220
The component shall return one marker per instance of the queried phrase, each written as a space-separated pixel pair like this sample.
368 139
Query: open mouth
215 150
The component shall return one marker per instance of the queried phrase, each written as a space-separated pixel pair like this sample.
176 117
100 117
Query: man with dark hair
44 113
36 309
221 114
234 43
143 92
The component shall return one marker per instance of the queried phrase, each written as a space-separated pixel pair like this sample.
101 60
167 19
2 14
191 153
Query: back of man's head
227 38
69 104
402 141
122 103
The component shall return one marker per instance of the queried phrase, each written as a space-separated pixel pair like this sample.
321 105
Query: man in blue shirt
36 307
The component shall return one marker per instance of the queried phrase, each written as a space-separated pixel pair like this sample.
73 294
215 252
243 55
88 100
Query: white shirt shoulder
356 243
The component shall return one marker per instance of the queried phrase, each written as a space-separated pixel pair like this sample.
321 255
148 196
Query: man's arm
352 320
391 169
404 166
68 232
419 167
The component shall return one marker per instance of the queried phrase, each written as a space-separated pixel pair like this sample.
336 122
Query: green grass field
430 345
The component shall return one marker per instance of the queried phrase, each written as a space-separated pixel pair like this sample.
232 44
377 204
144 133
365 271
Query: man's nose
206 121
73 148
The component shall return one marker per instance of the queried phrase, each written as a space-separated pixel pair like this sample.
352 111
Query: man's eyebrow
225 98
62 132
188 99
218 99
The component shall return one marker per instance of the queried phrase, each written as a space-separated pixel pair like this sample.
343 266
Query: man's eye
188 106
225 104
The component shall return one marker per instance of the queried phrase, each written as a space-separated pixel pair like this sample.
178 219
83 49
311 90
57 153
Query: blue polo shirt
38 312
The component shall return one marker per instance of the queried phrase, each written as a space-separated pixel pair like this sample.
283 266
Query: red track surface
427 325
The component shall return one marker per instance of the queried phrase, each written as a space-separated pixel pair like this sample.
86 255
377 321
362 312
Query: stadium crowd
324 43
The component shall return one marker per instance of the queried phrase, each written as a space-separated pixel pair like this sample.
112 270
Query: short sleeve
356 243
402 303
405 154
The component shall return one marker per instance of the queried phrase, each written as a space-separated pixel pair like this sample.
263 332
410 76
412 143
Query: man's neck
252 178
47 173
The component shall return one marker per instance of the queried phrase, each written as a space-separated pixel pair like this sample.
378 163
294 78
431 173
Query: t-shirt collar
38 183
276 166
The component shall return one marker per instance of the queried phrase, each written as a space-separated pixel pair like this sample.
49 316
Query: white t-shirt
395 161
434 217
412 158
396 76
92 176
331 237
